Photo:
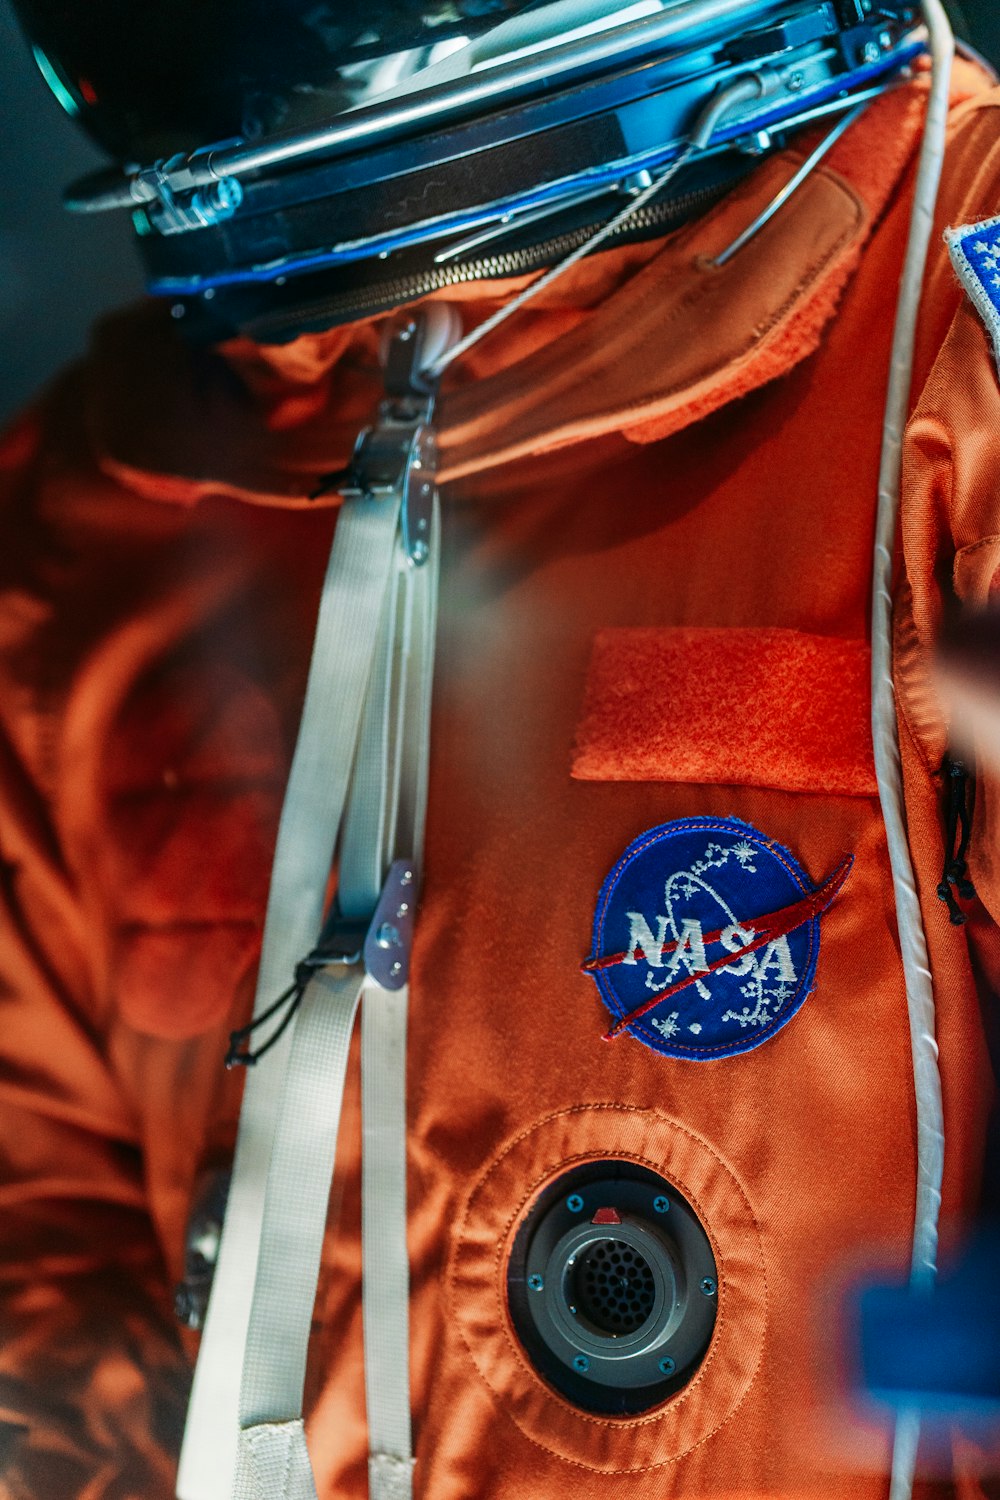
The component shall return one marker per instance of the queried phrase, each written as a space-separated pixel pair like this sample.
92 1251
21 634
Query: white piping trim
885 735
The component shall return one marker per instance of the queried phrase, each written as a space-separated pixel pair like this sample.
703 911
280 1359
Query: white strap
277 1462
389 1478
389 768
420 639
400 744
350 608
387 804
368 840
291 1240
383 1227
305 1139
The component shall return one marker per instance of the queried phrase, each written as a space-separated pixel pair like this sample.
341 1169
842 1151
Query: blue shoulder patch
706 937
975 254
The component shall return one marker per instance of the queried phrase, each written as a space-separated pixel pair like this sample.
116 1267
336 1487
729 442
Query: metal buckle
382 941
390 933
397 454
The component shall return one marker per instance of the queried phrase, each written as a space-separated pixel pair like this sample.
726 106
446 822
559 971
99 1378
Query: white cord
930 1129
906 1441
740 92
885 734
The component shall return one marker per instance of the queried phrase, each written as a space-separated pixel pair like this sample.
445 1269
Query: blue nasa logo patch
975 254
706 937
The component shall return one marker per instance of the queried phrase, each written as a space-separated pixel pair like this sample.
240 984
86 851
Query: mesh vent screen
614 1287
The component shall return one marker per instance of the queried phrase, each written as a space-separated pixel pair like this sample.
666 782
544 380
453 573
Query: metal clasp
397 454
399 457
201 1247
390 933
382 941
173 208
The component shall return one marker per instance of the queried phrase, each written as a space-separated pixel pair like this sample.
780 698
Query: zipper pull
959 784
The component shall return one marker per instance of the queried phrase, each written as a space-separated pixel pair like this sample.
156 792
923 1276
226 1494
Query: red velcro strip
741 707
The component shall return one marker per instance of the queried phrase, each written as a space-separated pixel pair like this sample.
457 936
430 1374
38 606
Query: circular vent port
615 1289
612 1287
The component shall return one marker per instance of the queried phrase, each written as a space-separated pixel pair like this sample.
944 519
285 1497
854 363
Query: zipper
382 296
955 882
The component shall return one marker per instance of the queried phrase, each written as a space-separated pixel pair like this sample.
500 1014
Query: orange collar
641 341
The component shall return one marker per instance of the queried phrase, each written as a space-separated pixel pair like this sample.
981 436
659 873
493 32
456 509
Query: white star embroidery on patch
667 1027
990 262
981 247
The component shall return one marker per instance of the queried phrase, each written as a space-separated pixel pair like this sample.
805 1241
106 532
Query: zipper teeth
510 263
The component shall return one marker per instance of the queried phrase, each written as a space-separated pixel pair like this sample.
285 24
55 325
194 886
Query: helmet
148 81
293 163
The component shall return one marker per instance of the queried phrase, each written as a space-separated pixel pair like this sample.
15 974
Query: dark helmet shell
152 78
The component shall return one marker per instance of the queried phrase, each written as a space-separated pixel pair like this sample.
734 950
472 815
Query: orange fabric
158 591
762 707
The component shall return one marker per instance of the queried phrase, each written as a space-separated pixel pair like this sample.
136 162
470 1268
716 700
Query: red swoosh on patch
765 928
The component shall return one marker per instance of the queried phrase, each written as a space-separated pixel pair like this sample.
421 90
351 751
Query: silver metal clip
397 454
390 934
175 209
201 1247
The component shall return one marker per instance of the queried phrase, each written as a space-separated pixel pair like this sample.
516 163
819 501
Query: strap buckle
397 454
382 941
389 940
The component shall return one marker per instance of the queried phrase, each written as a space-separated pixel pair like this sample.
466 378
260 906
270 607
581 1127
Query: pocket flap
763 707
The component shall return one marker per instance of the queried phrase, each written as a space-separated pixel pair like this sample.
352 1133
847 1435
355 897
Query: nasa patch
706 937
975 254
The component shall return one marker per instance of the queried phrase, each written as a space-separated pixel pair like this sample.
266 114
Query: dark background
56 272
979 22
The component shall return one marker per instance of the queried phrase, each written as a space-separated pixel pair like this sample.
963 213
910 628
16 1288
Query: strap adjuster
398 456
390 932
